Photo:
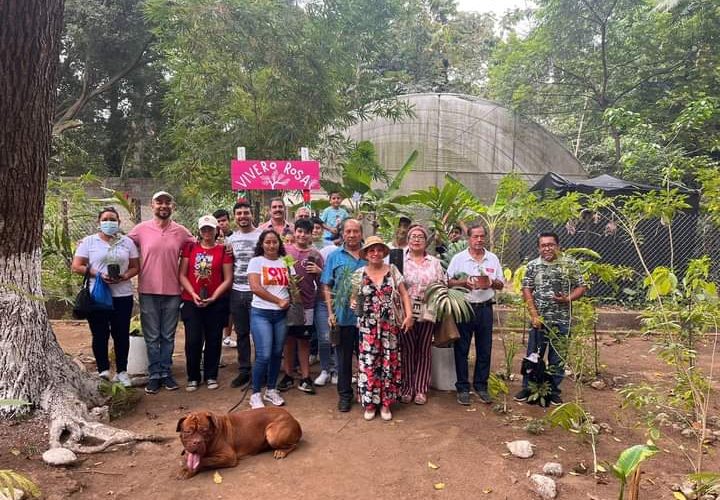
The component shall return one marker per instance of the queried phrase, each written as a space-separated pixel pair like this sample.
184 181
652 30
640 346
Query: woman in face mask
113 258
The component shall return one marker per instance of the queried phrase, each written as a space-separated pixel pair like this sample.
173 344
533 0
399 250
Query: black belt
480 305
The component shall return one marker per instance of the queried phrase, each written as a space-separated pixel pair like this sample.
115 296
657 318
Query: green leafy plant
574 418
447 300
539 392
535 426
121 399
498 390
628 464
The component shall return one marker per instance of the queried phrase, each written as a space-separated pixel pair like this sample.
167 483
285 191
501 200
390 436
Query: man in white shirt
242 242
478 270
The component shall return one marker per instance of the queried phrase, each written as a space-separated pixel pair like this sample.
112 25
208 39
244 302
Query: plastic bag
101 295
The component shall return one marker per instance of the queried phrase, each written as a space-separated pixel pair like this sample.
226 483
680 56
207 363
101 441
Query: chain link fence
689 236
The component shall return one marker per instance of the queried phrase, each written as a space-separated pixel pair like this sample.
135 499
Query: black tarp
607 184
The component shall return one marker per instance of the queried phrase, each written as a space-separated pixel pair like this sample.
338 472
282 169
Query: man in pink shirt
160 241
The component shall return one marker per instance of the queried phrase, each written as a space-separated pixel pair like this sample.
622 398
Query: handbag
446 332
83 300
421 311
101 296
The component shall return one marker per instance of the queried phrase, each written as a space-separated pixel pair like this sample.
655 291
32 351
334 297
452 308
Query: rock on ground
521 449
544 486
59 456
553 469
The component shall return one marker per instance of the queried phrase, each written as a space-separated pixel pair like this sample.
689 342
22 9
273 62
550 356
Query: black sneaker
484 397
555 399
306 385
344 405
153 386
463 398
523 395
286 383
240 380
170 384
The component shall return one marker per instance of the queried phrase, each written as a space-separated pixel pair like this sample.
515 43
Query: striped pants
416 365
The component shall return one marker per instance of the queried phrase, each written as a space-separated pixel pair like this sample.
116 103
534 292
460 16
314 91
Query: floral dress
379 373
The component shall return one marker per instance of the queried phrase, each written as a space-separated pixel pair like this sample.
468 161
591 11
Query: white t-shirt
100 253
243 248
463 262
273 277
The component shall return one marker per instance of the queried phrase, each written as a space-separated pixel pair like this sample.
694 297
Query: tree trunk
33 367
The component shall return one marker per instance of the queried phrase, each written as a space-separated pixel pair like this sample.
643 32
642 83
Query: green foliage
9 479
629 460
539 392
498 389
108 72
121 399
574 418
511 346
448 301
535 426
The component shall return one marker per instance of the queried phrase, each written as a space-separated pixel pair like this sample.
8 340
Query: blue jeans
159 318
322 329
538 342
268 329
480 327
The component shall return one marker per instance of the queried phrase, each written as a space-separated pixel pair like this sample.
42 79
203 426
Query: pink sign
274 174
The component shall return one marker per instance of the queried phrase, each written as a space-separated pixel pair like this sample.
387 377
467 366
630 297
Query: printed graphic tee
204 267
273 277
243 247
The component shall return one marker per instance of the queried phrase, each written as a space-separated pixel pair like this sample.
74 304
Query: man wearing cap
277 219
478 270
337 285
242 242
160 241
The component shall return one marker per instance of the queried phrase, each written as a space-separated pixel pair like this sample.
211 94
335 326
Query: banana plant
628 462
380 206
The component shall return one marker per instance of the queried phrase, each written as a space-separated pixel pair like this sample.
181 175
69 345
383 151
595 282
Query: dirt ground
341 456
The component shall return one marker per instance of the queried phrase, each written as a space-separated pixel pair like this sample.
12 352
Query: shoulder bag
83 300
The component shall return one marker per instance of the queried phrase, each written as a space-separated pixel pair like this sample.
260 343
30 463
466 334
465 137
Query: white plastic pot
443 375
137 356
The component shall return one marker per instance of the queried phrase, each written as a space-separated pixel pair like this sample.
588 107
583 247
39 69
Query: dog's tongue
193 461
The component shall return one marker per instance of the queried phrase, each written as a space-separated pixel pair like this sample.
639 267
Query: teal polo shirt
337 273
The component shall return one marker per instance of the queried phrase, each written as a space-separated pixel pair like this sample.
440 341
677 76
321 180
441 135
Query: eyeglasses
548 245
419 237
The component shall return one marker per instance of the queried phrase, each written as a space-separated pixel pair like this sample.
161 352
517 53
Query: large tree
33 367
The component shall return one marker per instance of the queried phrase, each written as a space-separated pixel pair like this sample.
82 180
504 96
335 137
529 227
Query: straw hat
372 241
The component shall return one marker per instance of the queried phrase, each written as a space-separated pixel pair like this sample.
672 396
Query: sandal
420 399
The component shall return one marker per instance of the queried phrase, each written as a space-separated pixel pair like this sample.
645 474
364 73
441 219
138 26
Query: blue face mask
109 227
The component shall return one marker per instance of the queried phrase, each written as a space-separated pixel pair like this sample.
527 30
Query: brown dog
214 441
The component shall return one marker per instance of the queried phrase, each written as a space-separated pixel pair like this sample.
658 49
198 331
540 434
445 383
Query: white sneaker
123 378
105 374
192 386
322 379
212 384
273 396
229 342
256 401
334 378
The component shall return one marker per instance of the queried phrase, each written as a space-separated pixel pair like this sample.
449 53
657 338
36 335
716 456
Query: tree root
73 427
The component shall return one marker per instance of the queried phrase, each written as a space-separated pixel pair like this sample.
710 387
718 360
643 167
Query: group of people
312 284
